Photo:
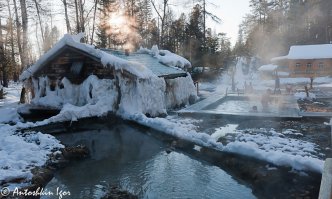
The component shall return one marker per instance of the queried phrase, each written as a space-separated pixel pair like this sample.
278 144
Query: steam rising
122 30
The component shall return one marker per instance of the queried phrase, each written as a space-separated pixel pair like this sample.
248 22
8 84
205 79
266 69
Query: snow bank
181 91
8 106
303 95
94 97
145 96
270 146
166 57
176 129
98 97
12 94
274 148
20 153
9 115
90 91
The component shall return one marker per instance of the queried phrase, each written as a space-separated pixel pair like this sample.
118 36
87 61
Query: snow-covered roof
268 67
283 74
321 51
108 60
154 64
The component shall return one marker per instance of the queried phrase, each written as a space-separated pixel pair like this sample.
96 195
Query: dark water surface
125 156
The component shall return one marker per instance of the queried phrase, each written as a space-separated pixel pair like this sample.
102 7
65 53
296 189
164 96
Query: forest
28 28
273 26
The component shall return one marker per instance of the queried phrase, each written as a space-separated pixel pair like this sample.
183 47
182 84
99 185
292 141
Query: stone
74 153
116 193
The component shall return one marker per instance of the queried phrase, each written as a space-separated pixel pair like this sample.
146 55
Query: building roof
321 51
268 67
152 63
136 65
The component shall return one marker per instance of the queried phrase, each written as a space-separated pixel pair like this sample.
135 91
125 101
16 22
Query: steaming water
244 106
124 156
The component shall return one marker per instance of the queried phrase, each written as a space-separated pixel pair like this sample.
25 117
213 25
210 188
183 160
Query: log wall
60 66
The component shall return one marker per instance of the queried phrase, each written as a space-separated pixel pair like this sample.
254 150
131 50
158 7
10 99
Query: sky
231 13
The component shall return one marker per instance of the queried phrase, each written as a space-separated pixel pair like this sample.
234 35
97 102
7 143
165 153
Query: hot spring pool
125 156
241 104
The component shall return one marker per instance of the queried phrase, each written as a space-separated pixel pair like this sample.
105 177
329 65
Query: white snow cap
78 37
106 59
322 51
166 57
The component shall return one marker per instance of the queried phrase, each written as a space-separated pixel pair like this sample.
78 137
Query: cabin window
309 65
298 65
321 65
76 68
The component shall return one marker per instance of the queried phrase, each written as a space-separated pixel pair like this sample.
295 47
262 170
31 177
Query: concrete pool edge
200 109
325 191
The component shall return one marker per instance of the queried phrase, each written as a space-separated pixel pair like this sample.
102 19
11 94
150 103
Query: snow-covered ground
267 145
9 104
278 149
20 152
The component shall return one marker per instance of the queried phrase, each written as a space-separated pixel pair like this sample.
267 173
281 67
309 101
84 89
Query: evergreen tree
104 37
144 16
194 32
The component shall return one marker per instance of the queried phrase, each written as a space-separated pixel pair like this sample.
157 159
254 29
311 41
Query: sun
117 20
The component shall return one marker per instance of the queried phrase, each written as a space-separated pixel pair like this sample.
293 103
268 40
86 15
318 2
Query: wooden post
1 93
306 91
311 82
197 88
22 98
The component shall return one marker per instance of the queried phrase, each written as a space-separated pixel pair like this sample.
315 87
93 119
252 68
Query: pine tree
194 32
144 16
107 7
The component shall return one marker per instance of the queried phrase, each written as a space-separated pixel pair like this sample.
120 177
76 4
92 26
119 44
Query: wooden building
306 61
70 60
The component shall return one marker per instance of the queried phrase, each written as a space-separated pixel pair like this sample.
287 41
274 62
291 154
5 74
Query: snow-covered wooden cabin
306 61
74 74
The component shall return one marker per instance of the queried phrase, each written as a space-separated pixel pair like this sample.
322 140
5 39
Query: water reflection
124 156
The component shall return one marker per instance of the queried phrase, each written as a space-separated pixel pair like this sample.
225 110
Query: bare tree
81 15
66 16
25 58
18 33
78 29
39 19
162 18
11 31
94 20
